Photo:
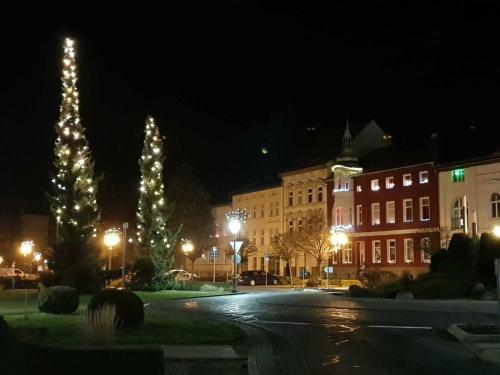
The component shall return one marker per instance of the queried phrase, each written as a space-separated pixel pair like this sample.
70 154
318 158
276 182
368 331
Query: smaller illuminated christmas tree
153 234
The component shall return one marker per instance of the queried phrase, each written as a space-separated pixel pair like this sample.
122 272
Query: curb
463 336
485 347
260 351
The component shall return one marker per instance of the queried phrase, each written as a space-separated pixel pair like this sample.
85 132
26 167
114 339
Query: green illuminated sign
458 175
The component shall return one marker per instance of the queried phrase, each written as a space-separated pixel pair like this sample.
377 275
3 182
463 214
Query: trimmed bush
436 285
312 283
376 278
357 291
142 274
11 352
211 288
58 300
129 307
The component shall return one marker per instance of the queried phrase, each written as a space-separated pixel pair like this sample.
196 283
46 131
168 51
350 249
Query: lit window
376 252
375 213
360 247
359 214
407 210
425 209
277 209
407 179
290 198
309 195
391 251
262 209
262 237
346 185
347 253
338 216
299 224
300 197
375 185
254 212
290 226
389 182
458 175
425 248
423 177
359 189
457 214
390 212
409 256
495 205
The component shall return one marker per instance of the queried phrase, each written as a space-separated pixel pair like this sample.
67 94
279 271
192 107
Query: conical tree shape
73 203
153 234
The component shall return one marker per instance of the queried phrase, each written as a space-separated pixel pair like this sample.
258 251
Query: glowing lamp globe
111 238
26 247
187 247
234 226
496 231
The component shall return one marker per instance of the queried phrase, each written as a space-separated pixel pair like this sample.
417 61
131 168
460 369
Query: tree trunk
318 262
290 269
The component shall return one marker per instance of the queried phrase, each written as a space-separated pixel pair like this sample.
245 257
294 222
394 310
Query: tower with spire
347 155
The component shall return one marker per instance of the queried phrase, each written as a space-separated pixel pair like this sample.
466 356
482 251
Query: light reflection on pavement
331 334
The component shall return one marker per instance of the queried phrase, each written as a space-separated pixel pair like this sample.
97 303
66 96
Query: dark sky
225 80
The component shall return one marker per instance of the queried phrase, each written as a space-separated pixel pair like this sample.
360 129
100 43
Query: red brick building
396 221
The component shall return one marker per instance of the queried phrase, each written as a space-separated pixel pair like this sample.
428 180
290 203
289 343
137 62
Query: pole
26 294
214 261
109 262
124 245
234 264
465 218
497 271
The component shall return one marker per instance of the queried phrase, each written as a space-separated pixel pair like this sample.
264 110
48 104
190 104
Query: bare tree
283 247
315 239
430 246
247 249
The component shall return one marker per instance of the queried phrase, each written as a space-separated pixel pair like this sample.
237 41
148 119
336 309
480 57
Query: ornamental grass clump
99 325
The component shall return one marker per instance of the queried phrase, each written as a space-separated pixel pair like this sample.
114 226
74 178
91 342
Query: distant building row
394 218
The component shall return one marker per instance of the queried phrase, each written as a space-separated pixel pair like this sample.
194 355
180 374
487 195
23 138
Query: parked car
10 272
258 278
181 275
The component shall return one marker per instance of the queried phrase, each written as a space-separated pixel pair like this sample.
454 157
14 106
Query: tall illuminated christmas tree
153 233
73 201
73 198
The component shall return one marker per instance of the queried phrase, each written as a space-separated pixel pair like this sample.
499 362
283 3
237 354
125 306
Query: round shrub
129 307
58 300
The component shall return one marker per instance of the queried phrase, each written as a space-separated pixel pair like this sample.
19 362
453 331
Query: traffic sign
266 257
238 259
237 244
328 269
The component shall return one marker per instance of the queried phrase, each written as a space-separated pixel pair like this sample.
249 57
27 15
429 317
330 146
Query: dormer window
375 185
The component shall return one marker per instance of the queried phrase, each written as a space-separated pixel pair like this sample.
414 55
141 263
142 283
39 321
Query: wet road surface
319 333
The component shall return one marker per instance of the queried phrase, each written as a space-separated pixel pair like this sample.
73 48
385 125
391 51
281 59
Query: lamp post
124 250
235 220
187 247
111 239
338 239
496 233
26 249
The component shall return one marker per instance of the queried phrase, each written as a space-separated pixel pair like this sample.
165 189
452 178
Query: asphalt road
320 333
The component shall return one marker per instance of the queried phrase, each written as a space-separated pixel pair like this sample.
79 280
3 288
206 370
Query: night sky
224 81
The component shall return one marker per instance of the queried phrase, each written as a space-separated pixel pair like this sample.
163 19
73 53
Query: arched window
495 205
457 221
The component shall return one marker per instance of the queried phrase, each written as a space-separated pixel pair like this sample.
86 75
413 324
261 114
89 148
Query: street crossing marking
399 327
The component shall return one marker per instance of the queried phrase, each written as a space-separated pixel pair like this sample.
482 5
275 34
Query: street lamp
111 239
235 220
496 231
338 239
26 249
1 259
187 247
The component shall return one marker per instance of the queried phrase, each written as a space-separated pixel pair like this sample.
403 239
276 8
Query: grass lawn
158 328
